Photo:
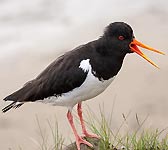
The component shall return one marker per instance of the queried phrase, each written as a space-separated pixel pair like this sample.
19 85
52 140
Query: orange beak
133 45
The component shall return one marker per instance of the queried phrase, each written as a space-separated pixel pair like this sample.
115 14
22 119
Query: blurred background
34 33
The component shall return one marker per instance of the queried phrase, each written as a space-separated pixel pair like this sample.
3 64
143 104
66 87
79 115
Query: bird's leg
79 109
79 139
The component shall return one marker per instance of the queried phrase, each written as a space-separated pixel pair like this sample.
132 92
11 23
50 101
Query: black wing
62 76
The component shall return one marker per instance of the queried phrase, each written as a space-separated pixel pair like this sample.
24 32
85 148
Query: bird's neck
107 63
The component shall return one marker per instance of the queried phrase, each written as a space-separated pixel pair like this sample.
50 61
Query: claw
86 134
79 141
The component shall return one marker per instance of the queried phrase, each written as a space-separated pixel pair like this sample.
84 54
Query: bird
81 74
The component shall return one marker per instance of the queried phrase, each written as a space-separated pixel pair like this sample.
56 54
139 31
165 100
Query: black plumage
106 56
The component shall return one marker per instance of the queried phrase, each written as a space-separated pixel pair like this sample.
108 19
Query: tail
31 91
19 97
12 105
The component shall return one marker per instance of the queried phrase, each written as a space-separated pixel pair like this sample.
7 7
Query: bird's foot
79 141
86 134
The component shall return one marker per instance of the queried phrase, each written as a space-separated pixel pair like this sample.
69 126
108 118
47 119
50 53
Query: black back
63 75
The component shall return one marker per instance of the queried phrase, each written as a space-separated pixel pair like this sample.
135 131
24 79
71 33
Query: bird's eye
121 37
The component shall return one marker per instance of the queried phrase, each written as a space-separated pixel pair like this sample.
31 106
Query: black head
119 38
119 35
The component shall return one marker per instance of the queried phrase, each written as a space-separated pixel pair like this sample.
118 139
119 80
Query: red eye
121 37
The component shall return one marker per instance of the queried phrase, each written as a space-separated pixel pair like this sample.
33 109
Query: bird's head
122 39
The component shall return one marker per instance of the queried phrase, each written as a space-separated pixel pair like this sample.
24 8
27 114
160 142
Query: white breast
90 88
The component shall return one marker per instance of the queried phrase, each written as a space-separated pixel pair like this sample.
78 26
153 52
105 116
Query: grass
145 140
57 138
138 140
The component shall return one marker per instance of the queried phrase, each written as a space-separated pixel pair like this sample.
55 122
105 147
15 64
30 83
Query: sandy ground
139 87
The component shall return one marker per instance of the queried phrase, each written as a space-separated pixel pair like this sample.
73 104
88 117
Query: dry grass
139 140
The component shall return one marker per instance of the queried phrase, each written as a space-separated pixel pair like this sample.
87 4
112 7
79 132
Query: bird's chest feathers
106 68
92 84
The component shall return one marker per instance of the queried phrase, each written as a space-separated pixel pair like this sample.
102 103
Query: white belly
90 88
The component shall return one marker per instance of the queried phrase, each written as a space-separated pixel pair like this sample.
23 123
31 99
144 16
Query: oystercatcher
81 74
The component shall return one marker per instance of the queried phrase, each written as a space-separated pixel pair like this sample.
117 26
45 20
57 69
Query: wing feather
61 76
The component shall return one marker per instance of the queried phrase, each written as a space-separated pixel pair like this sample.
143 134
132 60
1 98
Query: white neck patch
85 65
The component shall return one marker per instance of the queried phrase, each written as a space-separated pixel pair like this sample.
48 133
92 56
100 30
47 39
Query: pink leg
79 109
79 139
